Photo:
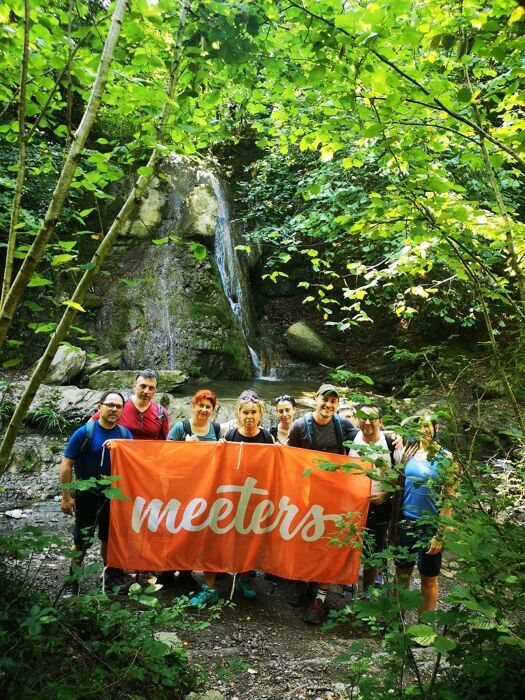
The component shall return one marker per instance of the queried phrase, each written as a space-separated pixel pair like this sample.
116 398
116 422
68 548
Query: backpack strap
309 424
339 433
122 431
160 413
230 434
186 426
390 443
216 430
273 431
89 429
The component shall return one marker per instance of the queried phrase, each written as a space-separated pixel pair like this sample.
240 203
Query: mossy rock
169 379
306 344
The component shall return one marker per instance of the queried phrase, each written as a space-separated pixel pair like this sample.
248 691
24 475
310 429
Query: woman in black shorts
428 480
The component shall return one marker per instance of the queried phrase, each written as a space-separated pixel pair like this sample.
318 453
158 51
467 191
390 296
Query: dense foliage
85 645
389 176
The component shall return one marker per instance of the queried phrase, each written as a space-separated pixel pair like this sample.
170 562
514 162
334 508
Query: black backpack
186 426
88 435
309 422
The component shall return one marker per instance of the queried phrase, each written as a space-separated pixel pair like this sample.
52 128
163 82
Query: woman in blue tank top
429 477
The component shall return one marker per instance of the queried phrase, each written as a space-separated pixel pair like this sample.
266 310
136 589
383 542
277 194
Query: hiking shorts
415 540
92 511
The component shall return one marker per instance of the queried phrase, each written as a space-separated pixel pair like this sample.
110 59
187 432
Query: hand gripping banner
236 506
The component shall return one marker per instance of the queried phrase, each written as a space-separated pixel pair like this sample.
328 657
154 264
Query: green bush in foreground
87 646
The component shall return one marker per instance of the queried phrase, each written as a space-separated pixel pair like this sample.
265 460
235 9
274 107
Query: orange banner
233 507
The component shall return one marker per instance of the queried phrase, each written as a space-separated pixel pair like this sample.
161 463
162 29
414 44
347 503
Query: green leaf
12 363
145 170
37 281
443 644
61 259
198 250
73 305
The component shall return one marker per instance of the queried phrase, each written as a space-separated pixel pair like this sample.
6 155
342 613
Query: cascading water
230 270
164 300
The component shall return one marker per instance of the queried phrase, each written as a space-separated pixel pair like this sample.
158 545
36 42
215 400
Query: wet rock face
168 380
164 306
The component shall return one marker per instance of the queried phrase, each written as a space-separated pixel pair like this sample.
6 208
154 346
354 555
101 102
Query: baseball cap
327 389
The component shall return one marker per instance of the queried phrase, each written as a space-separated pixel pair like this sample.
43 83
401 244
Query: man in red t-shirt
145 419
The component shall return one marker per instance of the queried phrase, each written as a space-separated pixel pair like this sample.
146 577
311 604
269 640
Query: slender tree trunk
40 371
66 176
20 176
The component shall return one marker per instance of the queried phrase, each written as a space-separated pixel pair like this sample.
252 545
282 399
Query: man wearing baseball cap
324 430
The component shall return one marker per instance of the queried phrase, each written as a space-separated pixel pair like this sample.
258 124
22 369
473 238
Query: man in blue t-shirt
87 453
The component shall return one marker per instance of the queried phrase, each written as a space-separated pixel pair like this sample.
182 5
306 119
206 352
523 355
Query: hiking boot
302 594
116 580
70 589
316 613
242 585
206 596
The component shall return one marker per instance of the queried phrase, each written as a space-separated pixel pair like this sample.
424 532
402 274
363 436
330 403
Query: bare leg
209 579
430 591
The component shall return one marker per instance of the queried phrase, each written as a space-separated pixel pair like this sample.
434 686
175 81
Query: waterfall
230 271
165 312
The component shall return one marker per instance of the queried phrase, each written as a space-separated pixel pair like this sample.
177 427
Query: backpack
88 436
186 426
309 422
265 433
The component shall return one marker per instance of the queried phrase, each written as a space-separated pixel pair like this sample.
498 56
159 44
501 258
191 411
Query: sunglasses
249 396
285 397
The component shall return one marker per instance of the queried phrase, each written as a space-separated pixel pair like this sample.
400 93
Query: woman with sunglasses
427 481
249 411
285 408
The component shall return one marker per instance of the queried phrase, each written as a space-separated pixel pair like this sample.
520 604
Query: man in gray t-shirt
318 430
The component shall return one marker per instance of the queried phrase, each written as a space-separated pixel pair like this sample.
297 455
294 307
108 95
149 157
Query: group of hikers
408 513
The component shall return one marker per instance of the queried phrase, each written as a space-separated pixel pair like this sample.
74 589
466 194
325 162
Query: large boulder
306 344
200 212
149 212
72 403
99 363
122 380
67 364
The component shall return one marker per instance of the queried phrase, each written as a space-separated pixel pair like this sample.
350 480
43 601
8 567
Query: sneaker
70 589
206 596
116 580
301 594
316 613
242 585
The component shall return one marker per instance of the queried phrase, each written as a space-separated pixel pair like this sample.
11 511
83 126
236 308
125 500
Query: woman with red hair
199 426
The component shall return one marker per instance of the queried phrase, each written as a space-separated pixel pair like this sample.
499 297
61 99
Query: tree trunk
75 304
66 176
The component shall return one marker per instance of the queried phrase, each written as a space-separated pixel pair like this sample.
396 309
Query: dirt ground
252 650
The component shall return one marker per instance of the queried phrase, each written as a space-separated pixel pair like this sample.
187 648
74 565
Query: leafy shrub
86 646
